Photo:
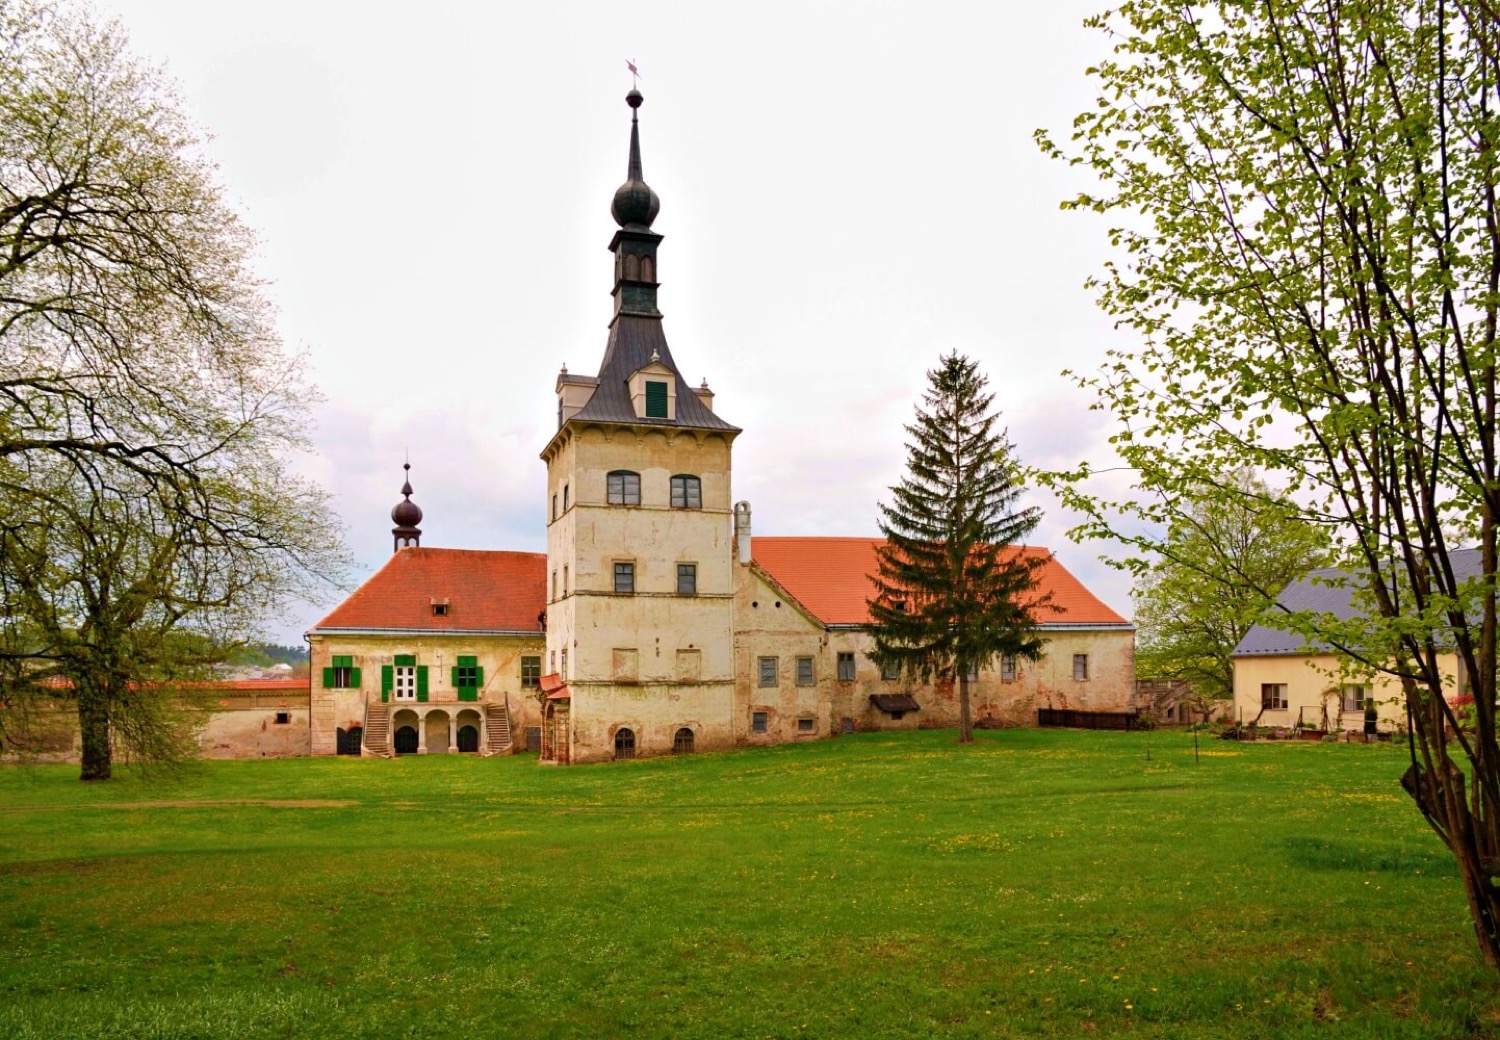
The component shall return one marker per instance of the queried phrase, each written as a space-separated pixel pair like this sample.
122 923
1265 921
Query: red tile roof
830 577
486 591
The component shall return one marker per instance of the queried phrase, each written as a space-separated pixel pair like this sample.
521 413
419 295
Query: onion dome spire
406 516
635 204
634 245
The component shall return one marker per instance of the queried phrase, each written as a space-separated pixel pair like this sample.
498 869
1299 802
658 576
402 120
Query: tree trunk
965 724
93 727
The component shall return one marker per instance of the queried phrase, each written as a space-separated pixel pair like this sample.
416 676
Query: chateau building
654 624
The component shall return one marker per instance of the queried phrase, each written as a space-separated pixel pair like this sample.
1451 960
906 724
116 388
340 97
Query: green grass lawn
1035 883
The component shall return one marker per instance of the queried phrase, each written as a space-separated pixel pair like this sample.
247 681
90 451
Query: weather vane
635 73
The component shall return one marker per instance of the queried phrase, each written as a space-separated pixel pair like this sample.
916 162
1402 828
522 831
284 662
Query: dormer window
623 488
653 391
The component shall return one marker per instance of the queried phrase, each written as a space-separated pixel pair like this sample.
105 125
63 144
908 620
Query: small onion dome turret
406 516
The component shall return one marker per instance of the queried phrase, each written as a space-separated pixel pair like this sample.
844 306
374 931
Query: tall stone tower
639 546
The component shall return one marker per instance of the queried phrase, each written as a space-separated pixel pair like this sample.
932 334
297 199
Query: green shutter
327 678
454 679
421 682
405 660
468 693
387 680
467 660
354 681
478 676
343 661
656 400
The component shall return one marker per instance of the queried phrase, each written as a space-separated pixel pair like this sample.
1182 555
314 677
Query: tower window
624 577
624 488
656 399
687 492
687 579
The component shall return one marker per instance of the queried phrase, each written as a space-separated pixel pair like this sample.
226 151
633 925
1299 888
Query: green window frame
468 677
656 399
341 674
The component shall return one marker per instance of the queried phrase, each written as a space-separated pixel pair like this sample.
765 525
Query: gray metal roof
1328 590
633 339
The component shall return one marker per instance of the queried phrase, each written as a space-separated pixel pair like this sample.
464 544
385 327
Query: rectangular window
342 675
565 498
623 488
804 671
687 579
1354 696
554 507
689 665
283 718
656 399
890 670
467 677
687 492
624 577
1273 695
768 671
846 667
758 722
562 673
531 673
1081 667
552 661
973 673
565 579
805 725
554 584
1008 668
406 682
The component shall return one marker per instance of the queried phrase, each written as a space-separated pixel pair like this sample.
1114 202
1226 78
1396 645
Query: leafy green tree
1228 550
953 594
148 413
1304 202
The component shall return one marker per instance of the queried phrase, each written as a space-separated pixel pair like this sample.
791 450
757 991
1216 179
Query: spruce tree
953 592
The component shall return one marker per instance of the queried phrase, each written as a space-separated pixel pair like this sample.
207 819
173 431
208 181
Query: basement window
806 725
758 722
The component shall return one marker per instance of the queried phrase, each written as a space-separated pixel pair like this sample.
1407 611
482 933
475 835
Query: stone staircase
377 731
497 730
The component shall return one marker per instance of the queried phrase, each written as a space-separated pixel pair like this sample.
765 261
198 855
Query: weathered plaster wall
499 656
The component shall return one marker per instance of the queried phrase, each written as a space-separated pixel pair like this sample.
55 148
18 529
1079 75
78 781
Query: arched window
682 743
687 492
624 744
623 488
632 267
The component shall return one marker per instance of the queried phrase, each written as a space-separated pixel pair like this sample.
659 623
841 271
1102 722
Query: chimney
742 530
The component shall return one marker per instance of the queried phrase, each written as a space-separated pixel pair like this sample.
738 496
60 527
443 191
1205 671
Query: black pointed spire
406 516
634 208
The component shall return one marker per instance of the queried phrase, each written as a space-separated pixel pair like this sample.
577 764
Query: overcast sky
848 190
